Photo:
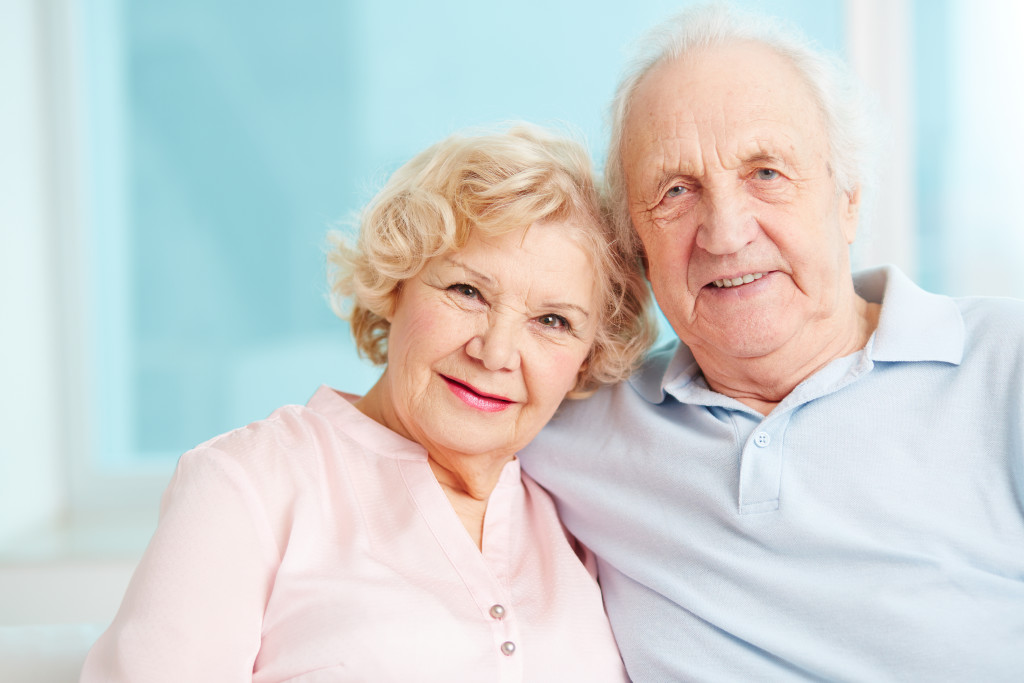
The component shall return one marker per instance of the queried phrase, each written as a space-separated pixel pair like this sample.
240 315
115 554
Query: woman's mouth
488 403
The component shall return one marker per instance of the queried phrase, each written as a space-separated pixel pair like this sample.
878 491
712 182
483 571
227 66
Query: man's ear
849 213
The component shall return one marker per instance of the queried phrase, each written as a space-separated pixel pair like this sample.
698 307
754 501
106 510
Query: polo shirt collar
914 325
663 366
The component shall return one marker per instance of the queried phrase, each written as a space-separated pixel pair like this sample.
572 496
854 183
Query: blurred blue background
171 170
245 129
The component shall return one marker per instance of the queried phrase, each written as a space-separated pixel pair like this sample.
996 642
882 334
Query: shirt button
762 439
497 611
507 648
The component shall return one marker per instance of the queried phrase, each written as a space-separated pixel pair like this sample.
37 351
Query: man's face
730 190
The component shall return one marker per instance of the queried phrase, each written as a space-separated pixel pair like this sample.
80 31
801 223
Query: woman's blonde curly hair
493 183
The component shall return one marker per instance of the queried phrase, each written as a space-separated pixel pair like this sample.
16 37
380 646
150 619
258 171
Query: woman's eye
468 291
675 191
766 174
554 321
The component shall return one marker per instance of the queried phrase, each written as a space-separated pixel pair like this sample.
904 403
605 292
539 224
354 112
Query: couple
823 479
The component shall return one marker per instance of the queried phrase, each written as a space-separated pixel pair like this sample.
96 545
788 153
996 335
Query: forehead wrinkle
664 159
520 302
768 115
688 140
548 304
783 150
761 154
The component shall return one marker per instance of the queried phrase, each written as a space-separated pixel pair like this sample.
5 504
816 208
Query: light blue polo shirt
871 528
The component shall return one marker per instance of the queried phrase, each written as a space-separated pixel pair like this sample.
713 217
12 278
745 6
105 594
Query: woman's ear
393 302
581 388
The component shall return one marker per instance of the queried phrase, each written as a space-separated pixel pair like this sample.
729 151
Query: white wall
877 46
50 572
31 479
981 200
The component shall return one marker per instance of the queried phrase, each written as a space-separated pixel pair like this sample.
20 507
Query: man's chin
746 340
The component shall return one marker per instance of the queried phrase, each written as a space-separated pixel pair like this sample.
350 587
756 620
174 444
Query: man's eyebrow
765 158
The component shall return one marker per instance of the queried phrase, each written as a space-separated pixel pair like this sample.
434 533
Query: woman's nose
496 346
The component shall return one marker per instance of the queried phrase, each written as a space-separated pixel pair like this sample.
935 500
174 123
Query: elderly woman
392 536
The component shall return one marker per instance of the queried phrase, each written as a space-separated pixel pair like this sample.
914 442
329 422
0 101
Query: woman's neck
466 479
468 486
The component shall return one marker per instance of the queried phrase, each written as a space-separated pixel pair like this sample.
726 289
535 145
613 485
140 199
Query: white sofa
45 653
52 611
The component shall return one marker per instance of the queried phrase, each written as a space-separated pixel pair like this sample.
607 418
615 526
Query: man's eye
468 291
554 321
766 174
675 191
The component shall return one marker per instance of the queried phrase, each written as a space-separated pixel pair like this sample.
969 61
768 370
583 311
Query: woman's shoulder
301 443
288 423
287 446
287 427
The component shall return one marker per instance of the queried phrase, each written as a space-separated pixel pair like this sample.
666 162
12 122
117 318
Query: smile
488 403
736 281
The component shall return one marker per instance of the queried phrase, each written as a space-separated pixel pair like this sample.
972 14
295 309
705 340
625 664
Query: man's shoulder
651 374
614 408
890 286
644 384
992 310
916 324
585 410
993 327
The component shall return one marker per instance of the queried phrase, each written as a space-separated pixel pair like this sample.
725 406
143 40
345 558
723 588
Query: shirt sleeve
194 607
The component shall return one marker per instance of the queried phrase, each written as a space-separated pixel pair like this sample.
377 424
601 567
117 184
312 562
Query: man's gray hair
849 124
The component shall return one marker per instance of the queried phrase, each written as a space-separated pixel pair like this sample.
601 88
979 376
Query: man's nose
726 222
497 345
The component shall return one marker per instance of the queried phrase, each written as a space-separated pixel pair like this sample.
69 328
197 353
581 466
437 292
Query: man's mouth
737 281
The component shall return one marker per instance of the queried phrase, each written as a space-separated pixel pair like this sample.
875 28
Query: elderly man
825 478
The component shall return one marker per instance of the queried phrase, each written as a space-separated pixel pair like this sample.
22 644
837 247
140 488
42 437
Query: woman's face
486 341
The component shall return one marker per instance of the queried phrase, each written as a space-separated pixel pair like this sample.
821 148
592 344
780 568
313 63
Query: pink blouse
316 545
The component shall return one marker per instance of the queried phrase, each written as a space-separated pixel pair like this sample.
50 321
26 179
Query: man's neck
763 382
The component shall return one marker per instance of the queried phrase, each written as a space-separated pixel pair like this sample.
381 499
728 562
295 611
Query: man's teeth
732 282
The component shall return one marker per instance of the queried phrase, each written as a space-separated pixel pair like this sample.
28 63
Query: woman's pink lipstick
475 399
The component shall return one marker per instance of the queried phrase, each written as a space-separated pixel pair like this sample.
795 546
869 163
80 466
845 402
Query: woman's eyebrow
557 306
564 306
453 261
